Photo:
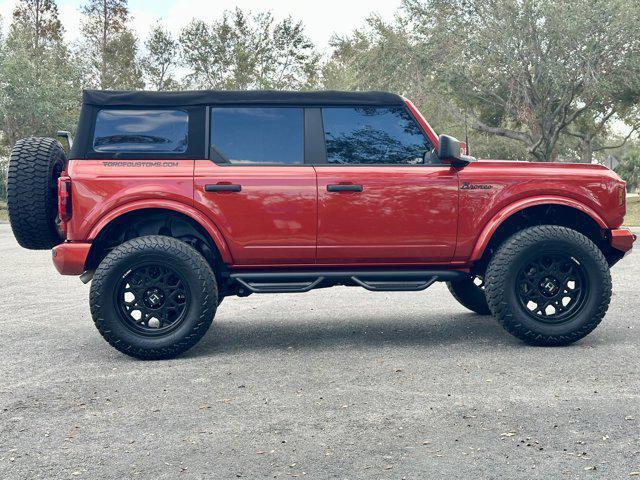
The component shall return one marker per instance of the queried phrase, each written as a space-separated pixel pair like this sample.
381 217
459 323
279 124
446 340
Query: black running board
374 280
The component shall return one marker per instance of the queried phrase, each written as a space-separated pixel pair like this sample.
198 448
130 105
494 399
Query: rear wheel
548 285
32 192
470 294
153 297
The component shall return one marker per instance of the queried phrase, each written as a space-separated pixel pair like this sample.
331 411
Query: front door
378 202
256 188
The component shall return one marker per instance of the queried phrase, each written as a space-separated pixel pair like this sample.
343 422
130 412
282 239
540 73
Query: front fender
493 224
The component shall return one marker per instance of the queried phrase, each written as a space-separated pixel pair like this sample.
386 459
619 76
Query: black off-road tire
154 250
32 192
470 295
502 289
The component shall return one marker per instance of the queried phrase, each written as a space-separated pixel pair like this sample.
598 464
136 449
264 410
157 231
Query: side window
153 131
370 135
257 135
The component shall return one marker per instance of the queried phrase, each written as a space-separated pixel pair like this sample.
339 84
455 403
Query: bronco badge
478 186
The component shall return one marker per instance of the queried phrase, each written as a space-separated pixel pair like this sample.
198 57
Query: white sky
321 18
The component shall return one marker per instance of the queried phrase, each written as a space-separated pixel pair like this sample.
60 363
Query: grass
3 211
632 218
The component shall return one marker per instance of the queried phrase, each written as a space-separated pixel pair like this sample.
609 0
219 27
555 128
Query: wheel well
153 221
549 214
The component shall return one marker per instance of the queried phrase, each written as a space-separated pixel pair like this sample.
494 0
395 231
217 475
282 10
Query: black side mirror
449 151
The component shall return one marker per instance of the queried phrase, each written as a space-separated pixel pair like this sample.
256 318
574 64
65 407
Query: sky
321 19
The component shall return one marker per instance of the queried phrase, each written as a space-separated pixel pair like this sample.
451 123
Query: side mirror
449 151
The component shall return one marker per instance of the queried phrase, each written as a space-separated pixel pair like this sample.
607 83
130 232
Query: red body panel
517 185
272 220
98 187
69 258
403 214
283 216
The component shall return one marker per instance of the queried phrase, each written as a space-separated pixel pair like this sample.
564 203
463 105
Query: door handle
344 188
222 187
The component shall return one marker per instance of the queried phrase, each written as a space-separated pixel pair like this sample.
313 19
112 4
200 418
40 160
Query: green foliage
39 91
629 168
161 58
530 69
110 47
248 51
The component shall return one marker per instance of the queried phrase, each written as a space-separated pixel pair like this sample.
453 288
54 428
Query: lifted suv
172 201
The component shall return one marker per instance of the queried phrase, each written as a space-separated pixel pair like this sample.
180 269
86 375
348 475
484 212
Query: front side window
257 135
373 135
152 131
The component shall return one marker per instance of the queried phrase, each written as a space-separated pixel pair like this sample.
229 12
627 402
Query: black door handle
344 188
222 187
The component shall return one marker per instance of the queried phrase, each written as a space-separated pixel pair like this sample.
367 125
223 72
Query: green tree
161 58
527 70
37 22
110 46
39 87
244 51
629 167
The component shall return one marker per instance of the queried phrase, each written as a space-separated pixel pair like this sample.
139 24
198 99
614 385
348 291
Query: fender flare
189 211
497 220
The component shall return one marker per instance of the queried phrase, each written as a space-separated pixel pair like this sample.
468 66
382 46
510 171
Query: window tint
258 135
369 135
162 131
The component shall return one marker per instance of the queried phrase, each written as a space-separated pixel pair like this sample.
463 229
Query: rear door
257 187
378 200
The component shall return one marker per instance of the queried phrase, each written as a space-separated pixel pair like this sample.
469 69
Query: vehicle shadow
227 335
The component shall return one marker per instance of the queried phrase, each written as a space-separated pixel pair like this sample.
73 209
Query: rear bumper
69 258
622 239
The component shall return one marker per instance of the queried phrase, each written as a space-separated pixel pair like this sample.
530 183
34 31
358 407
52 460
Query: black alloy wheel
152 299
552 287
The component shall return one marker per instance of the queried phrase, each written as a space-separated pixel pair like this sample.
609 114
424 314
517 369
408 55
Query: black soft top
220 97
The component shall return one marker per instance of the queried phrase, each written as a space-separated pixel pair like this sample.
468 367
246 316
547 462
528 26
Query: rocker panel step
376 281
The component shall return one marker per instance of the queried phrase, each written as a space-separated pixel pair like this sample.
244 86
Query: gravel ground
338 383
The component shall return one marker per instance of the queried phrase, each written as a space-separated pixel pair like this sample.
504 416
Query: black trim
315 150
344 188
219 97
223 187
374 280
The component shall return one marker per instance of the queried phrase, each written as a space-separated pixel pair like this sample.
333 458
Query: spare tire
32 192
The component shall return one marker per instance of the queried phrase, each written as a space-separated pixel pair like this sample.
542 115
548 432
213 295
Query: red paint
403 214
69 258
622 239
273 219
284 217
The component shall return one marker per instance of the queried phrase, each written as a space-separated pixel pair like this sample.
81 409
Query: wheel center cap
548 286
154 298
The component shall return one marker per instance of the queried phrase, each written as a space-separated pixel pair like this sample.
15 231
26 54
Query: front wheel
548 285
153 297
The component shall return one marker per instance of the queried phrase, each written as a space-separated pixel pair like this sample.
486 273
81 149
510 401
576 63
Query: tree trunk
586 149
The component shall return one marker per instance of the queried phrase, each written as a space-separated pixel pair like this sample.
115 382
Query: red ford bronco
169 202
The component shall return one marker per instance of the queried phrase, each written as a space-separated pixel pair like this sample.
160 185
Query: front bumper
69 258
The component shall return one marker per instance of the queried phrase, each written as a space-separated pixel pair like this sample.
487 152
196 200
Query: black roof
221 97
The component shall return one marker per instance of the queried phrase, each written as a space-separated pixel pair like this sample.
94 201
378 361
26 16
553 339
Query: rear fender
508 211
187 210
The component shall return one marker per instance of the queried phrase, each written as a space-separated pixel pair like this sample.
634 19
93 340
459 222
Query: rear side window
373 135
153 131
257 135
